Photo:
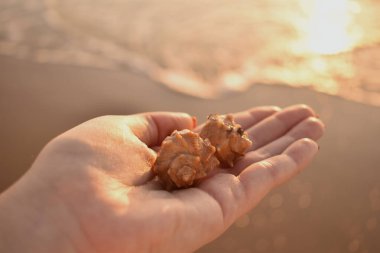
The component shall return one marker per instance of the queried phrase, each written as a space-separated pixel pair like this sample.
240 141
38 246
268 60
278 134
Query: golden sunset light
329 26
163 126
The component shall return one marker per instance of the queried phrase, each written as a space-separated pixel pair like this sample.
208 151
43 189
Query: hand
91 189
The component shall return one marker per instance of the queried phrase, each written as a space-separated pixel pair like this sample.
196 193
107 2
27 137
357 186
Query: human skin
91 189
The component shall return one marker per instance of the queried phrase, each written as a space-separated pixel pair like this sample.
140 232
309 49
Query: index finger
153 128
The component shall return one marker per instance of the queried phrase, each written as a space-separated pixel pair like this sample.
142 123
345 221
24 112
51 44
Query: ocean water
207 48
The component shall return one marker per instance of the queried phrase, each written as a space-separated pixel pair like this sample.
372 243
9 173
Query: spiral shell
184 158
227 137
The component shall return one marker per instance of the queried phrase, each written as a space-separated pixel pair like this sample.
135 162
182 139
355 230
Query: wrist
33 219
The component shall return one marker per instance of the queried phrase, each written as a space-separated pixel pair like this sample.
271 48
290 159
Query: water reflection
208 48
329 26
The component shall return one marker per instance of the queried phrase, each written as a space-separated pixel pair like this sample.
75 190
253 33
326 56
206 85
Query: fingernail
194 121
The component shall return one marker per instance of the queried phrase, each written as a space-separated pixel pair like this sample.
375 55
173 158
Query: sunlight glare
327 27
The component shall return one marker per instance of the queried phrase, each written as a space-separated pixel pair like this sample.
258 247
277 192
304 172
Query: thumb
152 128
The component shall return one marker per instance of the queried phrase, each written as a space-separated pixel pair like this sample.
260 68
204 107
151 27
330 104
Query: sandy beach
334 206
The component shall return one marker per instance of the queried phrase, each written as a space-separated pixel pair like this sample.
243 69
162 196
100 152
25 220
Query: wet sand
334 206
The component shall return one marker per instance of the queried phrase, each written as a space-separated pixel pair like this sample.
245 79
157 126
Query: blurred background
64 62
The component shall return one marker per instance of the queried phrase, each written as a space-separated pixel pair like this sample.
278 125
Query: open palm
99 173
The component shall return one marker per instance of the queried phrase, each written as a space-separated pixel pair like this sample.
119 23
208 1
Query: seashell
229 139
184 159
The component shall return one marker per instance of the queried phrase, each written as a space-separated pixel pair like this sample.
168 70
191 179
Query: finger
278 124
311 128
252 116
238 194
152 128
